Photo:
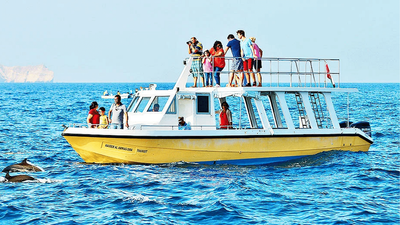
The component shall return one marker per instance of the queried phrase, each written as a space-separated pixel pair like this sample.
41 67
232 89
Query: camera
189 42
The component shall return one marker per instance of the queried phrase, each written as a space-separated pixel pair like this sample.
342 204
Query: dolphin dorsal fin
25 161
8 176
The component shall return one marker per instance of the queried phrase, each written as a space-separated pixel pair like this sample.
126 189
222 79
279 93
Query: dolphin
18 178
24 166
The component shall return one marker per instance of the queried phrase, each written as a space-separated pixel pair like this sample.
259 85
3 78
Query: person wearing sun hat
182 125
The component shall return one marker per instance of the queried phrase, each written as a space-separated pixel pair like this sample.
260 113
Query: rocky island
25 74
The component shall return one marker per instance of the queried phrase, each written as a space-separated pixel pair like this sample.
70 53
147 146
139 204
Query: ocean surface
330 188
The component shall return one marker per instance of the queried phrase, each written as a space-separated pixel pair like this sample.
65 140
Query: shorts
237 64
117 126
197 68
257 64
247 64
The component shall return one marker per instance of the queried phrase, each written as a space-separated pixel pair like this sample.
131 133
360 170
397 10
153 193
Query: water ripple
328 188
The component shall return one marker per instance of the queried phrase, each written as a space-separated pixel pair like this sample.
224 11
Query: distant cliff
25 74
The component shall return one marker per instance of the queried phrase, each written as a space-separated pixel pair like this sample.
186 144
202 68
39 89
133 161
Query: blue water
328 188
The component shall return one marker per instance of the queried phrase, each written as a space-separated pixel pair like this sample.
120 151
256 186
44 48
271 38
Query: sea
335 187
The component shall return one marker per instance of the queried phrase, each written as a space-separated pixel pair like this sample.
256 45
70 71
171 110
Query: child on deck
207 68
103 119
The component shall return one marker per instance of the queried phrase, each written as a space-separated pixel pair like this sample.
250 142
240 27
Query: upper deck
286 73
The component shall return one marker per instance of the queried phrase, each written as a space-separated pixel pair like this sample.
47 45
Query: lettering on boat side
117 147
141 150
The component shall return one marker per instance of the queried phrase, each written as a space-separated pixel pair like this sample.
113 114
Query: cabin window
142 104
203 103
158 104
172 107
132 104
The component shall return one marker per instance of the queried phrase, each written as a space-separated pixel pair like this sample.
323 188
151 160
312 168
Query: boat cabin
272 108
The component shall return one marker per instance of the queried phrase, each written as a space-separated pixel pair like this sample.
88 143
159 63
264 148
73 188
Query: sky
145 41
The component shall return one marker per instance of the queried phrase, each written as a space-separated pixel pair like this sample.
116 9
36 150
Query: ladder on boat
317 108
304 122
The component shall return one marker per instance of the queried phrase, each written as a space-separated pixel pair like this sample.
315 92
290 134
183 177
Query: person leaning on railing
195 48
237 62
218 61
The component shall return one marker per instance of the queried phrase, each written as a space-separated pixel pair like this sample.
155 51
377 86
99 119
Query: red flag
328 74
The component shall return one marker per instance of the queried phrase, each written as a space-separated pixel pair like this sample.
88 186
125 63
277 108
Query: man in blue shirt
237 63
183 125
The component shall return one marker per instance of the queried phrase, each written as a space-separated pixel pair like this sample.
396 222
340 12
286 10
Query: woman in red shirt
225 116
93 118
218 61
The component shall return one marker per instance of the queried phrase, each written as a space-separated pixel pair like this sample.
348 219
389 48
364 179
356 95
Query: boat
292 117
123 96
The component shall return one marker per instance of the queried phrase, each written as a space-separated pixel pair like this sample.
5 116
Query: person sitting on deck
225 116
182 124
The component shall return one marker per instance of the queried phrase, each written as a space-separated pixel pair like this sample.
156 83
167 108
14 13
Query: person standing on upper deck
118 111
218 61
247 53
195 48
237 62
257 60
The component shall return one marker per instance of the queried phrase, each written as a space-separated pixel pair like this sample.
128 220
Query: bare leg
202 81
253 76
231 77
259 78
195 81
248 77
238 80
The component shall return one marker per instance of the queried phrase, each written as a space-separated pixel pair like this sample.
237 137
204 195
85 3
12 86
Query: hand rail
311 72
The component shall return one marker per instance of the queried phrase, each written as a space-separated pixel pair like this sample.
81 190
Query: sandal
259 85
254 84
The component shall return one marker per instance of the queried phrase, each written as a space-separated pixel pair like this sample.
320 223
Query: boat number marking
141 150
117 147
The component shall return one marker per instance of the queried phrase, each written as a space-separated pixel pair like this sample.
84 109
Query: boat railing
161 127
144 127
293 72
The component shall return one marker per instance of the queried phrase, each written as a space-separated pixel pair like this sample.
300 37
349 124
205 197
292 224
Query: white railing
294 72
